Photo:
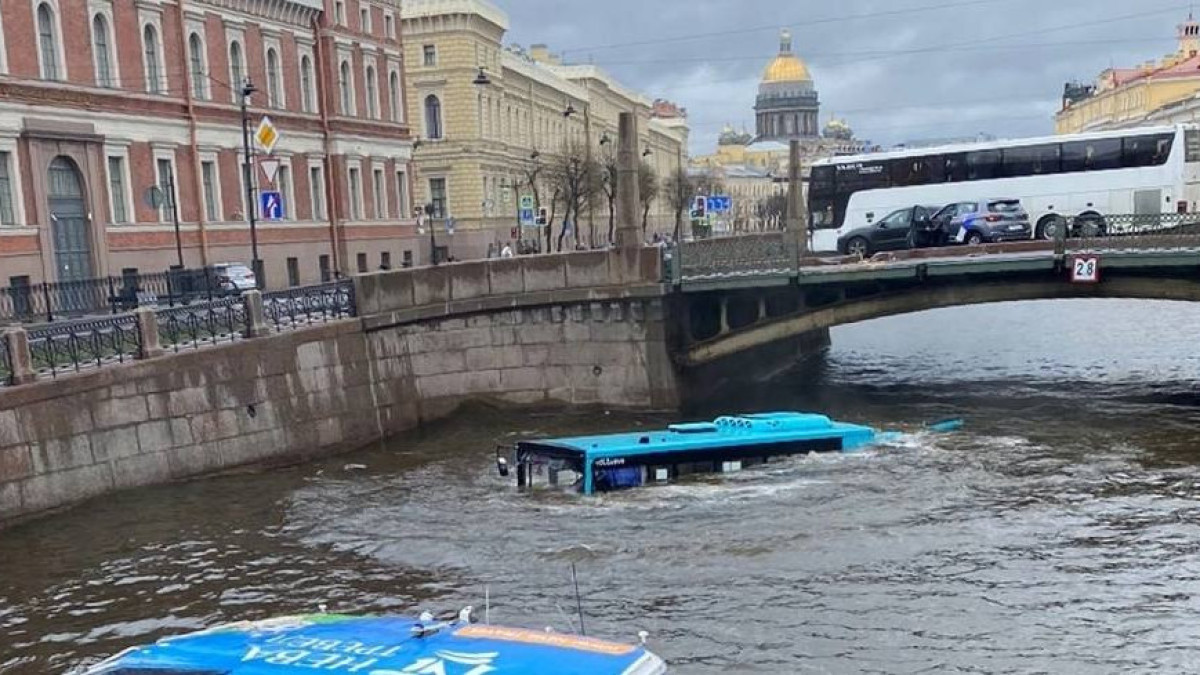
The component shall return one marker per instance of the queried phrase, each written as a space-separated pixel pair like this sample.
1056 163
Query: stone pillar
256 322
629 234
16 342
147 327
797 222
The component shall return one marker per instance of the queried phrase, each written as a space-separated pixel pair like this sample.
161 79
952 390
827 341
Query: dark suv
910 227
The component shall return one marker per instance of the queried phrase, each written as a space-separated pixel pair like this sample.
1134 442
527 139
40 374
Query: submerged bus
1070 181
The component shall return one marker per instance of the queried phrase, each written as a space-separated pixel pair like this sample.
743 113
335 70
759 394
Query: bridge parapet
508 281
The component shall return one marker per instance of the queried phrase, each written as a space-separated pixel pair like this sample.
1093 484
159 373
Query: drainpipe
323 94
197 183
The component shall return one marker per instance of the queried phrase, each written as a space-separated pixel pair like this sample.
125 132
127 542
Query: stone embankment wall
426 342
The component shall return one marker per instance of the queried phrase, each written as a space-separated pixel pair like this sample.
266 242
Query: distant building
1162 92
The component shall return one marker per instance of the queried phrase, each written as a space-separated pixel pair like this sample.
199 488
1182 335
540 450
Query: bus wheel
859 246
1090 225
1049 227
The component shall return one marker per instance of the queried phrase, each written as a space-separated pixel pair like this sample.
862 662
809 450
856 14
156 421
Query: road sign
526 202
271 204
270 167
720 204
1085 270
450 225
526 216
266 135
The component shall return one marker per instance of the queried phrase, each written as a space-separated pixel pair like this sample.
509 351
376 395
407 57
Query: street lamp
570 110
255 263
604 139
481 80
433 259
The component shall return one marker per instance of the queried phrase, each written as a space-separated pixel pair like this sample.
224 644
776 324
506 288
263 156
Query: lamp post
433 257
247 173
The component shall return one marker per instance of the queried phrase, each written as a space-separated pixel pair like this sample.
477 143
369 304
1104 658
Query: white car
234 277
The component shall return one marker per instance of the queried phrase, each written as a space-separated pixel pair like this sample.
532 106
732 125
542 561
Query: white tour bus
1078 178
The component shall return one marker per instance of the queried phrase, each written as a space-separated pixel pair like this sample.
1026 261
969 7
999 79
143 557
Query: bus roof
1003 143
724 432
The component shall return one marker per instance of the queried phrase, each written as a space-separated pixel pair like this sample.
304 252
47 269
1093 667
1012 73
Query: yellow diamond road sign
266 135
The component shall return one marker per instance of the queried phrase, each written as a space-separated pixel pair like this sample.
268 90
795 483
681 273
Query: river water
1059 533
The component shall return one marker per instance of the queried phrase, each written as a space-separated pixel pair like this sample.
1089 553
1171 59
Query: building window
316 188
362 263
237 70
433 118
364 18
430 55
344 88
293 270
283 182
385 260
274 91
437 197
7 216
196 60
116 188
394 96
402 194
306 84
389 26
166 182
355 196
372 94
339 12
47 42
102 51
323 266
208 175
150 54
377 186
407 259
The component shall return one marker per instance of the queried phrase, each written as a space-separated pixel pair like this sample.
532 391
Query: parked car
234 277
982 221
910 227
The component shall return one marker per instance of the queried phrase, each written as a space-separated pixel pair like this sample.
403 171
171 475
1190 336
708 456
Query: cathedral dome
786 67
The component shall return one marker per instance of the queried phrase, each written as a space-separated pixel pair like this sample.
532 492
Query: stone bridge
613 328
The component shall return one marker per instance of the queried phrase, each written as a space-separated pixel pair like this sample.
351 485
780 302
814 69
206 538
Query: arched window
150 54
237 70
101 49
344 88
274 99
47 42
372 94
306 84
394 96
196 61
433 117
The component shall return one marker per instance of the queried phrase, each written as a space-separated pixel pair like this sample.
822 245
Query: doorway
69 221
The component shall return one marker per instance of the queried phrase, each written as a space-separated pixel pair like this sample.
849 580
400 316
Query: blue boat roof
723 432
332 643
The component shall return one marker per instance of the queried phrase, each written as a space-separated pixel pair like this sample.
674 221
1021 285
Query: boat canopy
331 643
728 438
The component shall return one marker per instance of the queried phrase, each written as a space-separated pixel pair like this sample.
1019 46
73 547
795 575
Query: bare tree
680 189
575 179
648 189
771 212
608 189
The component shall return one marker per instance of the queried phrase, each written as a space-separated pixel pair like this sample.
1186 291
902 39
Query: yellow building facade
1165 91
487 116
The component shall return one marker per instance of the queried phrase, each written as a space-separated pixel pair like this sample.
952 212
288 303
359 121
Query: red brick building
102 99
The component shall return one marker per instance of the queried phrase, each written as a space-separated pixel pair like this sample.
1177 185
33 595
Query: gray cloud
957 68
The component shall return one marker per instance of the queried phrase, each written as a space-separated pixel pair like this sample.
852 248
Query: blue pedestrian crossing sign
271 205
720 204
526 216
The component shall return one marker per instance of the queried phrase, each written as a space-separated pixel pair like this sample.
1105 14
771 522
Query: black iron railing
309 305
5 365
57 301
72 346
198 325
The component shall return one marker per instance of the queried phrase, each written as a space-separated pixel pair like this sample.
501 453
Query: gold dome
787 67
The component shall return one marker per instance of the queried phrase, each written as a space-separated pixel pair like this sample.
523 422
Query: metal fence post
16 342
1060 239
256 323
148 341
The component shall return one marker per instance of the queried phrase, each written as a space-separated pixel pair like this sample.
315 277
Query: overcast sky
897 70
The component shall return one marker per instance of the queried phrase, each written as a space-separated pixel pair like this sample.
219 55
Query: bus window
1035 160
956 168
934 169
1091 155
821 181
983 164
1191 144
1146 150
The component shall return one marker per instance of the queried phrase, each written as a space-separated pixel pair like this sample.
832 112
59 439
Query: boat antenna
578 600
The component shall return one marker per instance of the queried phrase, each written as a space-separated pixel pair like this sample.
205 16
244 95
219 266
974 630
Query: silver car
983 221
234 277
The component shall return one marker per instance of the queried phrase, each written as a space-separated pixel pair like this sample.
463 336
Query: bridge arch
767 331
